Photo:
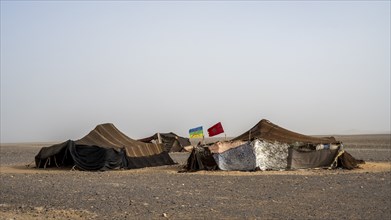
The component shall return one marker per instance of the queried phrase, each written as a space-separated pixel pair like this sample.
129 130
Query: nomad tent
103 148
170 141
267 146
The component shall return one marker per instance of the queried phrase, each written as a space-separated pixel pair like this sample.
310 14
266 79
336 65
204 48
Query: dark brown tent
268 131
170 141
103 148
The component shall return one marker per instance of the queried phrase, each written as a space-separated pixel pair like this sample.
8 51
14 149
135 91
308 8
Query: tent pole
159 139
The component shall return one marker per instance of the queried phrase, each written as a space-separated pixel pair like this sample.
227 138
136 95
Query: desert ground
162 192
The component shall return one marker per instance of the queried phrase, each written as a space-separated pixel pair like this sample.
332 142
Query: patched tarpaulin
103 148
239 158
252 155
263 155
270 156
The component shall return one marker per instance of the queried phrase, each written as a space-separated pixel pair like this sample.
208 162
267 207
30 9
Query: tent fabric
171 142
56 155
108 136
103 148
222 146
303 159
270 156
265 155
240 158
200 159
347 161
148 161
95 157
266 130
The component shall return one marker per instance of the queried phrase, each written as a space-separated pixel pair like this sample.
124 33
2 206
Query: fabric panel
298 159
149 161
270 156
222 146
200 159
239 158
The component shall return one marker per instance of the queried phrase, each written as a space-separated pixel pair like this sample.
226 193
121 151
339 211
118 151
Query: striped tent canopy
266 130
103 148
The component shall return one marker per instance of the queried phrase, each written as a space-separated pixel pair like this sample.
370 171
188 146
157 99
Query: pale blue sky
315 67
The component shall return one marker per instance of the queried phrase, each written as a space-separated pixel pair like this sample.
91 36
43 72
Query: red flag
215 129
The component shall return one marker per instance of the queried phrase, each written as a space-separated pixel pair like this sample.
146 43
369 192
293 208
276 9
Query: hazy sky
314 67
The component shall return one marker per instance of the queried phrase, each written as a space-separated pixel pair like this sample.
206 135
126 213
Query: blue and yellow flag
196 132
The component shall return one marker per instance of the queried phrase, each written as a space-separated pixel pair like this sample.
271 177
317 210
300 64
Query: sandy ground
162 192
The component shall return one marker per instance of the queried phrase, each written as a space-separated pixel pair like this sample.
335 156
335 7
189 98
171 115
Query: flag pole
225 135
